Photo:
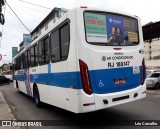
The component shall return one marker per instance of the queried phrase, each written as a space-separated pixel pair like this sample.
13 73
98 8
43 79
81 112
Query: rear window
155 75
111 29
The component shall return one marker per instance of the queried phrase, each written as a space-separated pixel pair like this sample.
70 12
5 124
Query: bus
89 60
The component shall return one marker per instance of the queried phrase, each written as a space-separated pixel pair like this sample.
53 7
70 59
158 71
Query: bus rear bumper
112 99
102 101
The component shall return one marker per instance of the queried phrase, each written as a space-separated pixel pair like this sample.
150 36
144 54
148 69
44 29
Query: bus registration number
120 81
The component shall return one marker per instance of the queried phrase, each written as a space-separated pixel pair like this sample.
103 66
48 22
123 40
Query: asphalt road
24 108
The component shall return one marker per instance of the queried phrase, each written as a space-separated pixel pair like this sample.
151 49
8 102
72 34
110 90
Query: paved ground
6 113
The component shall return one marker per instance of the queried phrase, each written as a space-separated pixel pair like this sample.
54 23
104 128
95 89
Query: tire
157 86
36 97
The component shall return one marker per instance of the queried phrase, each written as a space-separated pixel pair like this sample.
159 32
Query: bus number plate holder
119 81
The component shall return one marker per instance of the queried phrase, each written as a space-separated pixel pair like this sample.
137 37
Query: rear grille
120 98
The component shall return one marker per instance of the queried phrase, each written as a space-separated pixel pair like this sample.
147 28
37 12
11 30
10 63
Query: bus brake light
143 72
117 48
83 6
85 77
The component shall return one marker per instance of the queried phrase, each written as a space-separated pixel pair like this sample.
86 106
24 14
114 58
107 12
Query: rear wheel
36 97
157 86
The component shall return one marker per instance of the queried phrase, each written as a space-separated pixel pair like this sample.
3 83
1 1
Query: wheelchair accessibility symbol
101 83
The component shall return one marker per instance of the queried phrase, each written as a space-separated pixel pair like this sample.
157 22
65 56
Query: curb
2 96
6 113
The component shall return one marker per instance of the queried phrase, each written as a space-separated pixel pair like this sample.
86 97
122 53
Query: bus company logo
6 123
103 58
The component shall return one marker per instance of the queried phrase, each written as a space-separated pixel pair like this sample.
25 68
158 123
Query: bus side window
43 48
26 60
36 54
64 38
40 52
23 60
18 63
46 51
32 56
55 46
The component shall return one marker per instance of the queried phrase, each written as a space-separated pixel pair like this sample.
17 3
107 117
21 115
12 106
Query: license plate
120 81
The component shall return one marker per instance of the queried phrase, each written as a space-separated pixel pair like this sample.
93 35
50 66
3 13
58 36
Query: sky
13 30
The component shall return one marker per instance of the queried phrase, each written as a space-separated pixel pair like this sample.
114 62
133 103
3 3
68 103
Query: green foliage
1 67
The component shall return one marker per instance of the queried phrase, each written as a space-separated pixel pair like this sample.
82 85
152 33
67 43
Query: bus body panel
22 87
105 75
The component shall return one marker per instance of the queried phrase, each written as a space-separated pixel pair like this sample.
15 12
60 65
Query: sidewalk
153 92
5 113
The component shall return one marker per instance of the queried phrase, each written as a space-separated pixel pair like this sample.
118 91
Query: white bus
90 59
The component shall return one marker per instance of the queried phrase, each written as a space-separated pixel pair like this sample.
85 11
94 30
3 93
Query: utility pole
2 20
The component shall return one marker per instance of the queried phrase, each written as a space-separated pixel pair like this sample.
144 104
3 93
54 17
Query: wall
152 53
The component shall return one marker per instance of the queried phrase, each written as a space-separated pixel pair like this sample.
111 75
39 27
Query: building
48 21
151 35
6 68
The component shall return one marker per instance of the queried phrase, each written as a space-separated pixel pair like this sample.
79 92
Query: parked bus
90 59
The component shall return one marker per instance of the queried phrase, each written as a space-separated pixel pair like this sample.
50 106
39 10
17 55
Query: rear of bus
110 54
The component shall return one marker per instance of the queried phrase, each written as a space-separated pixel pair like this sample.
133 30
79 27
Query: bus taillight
143 72
85 77
83 6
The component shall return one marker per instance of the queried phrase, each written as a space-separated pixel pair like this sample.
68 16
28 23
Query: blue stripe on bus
64 79
107 76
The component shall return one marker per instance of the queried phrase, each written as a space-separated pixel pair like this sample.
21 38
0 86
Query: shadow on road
107 114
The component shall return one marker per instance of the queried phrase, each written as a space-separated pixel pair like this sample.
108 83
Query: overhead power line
17 17
35 4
